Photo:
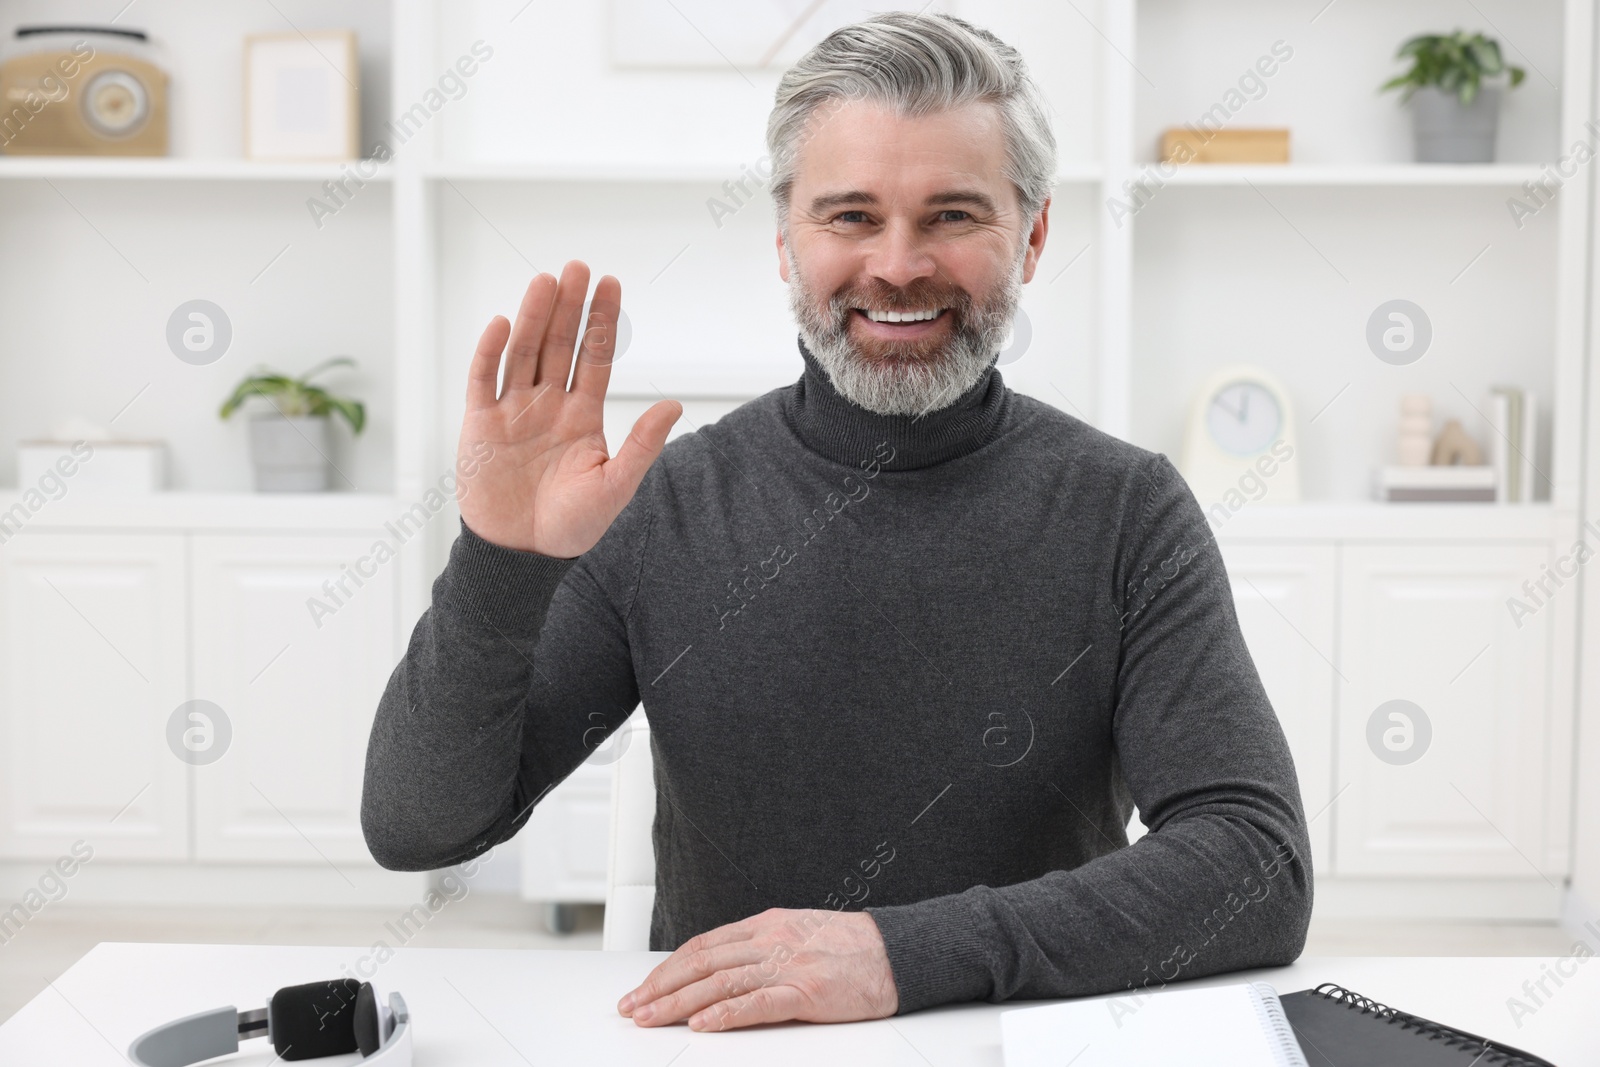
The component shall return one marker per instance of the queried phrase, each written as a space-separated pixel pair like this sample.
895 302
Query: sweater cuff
937 952
507 587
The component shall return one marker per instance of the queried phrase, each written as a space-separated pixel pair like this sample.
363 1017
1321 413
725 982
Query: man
912 646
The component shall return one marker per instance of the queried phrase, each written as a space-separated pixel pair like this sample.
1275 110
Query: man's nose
897 255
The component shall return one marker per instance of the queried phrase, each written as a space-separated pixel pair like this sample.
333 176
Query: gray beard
906 383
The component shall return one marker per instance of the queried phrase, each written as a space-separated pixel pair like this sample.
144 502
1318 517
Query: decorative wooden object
1416 430
1188 144
1456 448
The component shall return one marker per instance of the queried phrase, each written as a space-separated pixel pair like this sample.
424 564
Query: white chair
631 868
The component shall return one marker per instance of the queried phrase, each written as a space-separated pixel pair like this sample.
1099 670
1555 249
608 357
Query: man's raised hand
549 485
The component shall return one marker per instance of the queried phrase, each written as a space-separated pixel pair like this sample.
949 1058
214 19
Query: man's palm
548 484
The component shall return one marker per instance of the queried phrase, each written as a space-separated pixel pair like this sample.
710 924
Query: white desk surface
483 1007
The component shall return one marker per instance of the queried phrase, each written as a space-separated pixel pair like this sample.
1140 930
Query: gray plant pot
1446 132
289 453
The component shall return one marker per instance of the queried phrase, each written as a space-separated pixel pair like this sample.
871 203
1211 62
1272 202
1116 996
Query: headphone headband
296 1020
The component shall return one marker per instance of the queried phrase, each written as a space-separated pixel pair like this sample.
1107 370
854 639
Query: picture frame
302 99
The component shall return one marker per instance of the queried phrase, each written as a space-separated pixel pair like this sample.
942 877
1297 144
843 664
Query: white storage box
95 466
1436 484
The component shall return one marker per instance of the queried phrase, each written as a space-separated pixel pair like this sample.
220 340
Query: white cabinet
91 665
566 840
1429 624
1449 787
104 635
1284 596
564 843
298 669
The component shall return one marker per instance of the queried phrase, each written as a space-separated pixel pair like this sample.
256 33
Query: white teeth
902 316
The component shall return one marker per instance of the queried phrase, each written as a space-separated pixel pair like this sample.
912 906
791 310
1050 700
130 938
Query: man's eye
847 216
961 216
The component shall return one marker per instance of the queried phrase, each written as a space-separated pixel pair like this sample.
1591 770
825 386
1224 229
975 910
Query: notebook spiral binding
1276 1026
1491 1053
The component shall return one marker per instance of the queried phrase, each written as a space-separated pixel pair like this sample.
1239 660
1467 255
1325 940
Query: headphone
301 1021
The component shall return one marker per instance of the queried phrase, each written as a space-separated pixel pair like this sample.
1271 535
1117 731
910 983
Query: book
1335 1028
1513 442
1241 1025
1499 438
1529 445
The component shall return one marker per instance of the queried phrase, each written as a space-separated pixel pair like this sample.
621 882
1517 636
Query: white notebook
1239 1025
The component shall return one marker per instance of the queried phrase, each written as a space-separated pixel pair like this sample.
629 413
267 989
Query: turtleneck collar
832 426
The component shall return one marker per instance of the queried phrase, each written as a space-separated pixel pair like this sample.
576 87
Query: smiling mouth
900 317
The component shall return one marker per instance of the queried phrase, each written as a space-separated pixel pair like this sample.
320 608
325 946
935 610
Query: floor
59 935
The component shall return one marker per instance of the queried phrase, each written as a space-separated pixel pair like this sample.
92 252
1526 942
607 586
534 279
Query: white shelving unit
550 152
124 169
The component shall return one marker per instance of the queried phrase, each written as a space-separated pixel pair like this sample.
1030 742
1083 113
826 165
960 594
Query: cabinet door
1456 789
566 840
91 669
298 670
1284 595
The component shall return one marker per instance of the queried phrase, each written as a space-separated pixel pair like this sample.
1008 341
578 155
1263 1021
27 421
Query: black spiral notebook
1336 1028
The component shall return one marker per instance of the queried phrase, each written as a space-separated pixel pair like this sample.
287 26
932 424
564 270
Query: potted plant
289 445
1454 114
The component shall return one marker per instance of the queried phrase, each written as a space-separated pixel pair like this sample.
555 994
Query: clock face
1243 418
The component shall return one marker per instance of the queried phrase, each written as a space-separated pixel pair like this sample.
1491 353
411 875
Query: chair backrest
631 869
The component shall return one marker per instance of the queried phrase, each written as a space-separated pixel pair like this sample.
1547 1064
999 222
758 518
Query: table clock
1241 442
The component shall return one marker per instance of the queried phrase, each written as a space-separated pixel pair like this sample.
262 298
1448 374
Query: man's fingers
555 356
733 979
627 468
768 1004
598 345
533 318
693 959
484 371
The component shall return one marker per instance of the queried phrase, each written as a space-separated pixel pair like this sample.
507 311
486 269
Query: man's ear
1041 229
783 260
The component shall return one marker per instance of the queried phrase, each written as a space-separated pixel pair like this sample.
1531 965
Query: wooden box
1188 144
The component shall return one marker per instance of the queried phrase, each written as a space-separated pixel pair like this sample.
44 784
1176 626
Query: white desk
484 1007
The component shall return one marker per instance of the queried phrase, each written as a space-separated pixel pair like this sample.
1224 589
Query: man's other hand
811 964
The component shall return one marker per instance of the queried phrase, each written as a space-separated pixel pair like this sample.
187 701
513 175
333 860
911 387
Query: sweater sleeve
513 676
1223 879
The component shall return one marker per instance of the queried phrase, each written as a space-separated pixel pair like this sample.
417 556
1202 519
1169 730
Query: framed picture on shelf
301 96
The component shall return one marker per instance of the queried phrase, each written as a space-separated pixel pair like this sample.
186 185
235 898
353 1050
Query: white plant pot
289 453
1446 132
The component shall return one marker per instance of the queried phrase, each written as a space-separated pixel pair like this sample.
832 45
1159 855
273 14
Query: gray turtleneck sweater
925 668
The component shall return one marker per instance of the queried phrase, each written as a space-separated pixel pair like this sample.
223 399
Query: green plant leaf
1455 63
354 412
260 384
294 397
1417 45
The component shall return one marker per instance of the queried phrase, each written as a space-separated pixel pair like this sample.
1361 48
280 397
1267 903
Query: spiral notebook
1239 1025
1242 1025
1335 1027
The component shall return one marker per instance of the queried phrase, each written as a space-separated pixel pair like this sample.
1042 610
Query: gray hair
917 64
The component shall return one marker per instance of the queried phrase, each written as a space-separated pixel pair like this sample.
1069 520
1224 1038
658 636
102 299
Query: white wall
708 310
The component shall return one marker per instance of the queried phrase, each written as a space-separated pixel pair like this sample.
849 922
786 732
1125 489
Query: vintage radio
82 91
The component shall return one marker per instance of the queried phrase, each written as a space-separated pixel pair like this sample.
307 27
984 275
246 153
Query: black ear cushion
367 1036
315 1019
